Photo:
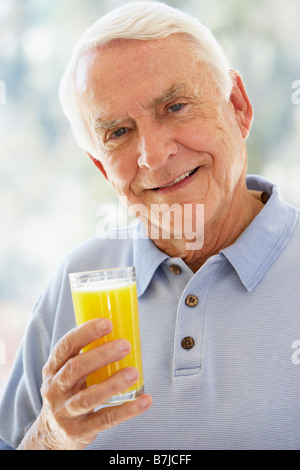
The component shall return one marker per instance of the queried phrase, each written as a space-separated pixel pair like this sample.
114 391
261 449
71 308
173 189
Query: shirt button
187 342
191 300
175 269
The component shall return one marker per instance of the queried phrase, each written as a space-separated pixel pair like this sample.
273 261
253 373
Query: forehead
137 70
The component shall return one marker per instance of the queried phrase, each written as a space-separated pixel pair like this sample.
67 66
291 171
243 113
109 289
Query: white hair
139 21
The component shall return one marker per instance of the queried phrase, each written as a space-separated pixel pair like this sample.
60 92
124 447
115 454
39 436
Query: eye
118 133
175 107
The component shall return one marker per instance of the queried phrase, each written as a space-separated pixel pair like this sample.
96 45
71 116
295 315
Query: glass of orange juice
112 294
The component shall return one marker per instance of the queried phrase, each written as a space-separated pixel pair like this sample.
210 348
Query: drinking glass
112 294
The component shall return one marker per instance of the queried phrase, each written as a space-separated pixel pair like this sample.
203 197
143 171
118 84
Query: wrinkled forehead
115 60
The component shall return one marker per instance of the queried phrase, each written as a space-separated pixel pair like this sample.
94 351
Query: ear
98 165
241 104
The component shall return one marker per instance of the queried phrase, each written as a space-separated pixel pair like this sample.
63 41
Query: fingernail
145 401
131 374
103 324
122 345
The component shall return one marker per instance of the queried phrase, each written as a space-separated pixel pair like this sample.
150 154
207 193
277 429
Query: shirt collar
263 240
146 258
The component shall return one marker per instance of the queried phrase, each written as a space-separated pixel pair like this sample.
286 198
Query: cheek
120 174
201 131
221 140
215 134
203 138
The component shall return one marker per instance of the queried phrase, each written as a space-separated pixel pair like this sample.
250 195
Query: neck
220 231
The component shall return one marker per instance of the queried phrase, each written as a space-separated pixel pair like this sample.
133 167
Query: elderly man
154 103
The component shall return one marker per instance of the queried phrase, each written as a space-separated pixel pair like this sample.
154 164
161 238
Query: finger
90 398
86 428
80 366
71 343
112 416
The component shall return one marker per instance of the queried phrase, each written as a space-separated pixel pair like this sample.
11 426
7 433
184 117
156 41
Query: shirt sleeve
21 402
4 446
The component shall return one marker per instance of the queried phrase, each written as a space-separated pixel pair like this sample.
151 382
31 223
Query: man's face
163 132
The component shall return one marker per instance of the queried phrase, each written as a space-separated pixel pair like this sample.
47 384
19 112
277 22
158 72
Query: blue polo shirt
238 386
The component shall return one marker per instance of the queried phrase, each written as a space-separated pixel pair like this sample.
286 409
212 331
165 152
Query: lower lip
178 185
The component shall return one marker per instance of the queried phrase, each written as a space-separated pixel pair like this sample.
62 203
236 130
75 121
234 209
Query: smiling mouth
178 179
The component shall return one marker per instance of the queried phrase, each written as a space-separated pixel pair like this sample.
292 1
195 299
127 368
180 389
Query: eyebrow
101 124
172 92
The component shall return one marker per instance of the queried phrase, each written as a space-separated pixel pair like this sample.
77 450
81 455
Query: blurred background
49 189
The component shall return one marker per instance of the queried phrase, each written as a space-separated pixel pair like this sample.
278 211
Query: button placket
191 301
190 324
188 334
189 330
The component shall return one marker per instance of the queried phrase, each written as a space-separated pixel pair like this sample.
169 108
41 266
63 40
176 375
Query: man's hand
67 419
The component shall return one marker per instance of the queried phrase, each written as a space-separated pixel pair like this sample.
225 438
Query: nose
157 145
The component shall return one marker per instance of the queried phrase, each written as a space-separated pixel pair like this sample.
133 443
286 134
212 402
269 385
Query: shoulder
107 249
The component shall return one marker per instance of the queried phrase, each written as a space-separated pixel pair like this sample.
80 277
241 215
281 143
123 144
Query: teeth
182 177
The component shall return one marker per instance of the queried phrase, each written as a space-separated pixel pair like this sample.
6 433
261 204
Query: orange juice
117 300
